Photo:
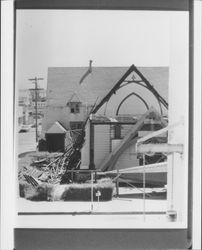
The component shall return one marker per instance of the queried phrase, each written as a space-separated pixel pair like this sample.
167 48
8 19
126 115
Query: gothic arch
128 96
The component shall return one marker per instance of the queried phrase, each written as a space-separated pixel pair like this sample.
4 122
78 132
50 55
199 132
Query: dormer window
74 104
74 107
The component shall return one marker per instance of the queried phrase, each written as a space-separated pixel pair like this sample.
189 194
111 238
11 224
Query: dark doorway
55 142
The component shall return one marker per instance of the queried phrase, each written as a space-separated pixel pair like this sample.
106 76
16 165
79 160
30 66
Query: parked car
24 128
34 125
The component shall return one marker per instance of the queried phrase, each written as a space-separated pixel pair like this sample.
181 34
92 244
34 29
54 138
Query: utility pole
35 81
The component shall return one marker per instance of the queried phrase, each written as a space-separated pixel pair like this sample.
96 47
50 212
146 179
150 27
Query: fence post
95 177
91 191
117 184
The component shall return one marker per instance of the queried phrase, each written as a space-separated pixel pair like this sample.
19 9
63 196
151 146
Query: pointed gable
56 128
74 99
138 78
63 82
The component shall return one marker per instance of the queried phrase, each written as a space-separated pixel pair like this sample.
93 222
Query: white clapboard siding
86 149
115 143
124 130
101 143
127 158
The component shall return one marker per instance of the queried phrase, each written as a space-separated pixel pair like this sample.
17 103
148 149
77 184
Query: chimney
90 66
87 72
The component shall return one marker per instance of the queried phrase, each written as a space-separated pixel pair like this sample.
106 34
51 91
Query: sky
70 38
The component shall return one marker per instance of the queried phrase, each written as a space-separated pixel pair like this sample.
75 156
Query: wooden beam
114 89
92 164
117 85
160 148
110 160
151 88
150 168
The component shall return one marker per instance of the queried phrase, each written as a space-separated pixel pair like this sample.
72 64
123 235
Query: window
117 131
76 125
74 107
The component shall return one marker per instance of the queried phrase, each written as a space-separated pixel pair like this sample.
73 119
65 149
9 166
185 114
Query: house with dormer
114 92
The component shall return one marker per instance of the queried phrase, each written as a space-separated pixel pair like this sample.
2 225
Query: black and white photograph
102 117
101 132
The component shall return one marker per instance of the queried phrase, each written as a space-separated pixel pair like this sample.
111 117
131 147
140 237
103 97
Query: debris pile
53 168
49 169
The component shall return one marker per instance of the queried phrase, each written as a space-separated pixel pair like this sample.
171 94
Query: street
26 142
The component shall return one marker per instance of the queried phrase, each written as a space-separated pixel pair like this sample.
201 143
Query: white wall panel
101 143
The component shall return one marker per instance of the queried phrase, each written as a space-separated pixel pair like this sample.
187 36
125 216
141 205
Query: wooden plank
150 168
159 148
117 184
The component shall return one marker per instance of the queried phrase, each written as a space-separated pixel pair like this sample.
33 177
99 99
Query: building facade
73 92
27 103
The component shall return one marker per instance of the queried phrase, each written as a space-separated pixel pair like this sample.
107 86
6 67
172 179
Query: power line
35 81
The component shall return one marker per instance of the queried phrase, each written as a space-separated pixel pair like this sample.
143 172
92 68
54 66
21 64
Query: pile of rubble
48 169
53 168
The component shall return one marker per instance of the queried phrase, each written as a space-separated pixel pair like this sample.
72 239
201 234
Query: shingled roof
63 82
